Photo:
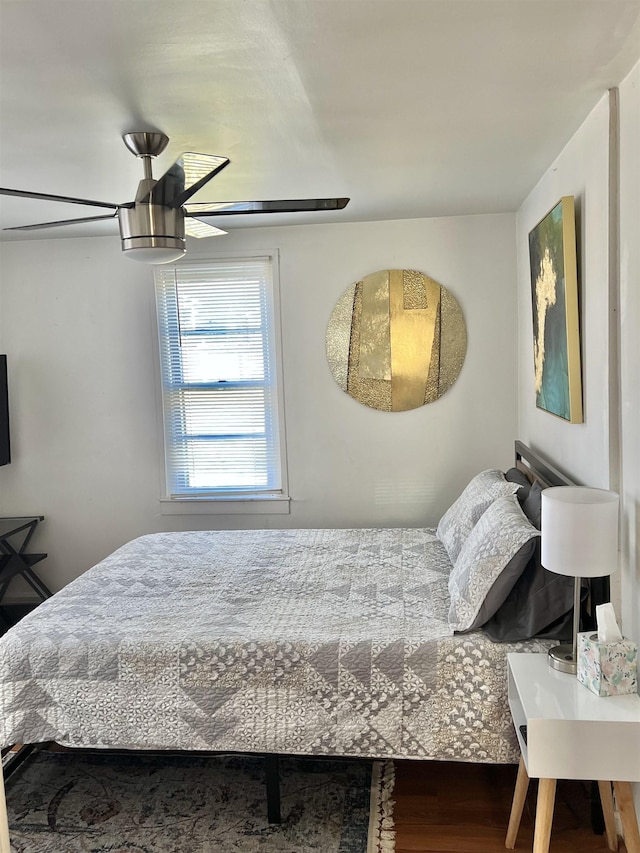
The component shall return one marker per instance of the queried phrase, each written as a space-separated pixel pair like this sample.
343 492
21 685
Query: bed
303 642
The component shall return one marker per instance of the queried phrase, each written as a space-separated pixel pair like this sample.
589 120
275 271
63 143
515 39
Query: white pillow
463 514
490 562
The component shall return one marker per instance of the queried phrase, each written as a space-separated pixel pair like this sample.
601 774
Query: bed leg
273 789
17 757
4 821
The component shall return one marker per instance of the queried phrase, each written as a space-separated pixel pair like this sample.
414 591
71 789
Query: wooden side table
567 732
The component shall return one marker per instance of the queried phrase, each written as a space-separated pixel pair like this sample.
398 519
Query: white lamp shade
579 531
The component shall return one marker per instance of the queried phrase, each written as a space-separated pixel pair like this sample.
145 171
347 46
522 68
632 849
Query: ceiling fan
154 224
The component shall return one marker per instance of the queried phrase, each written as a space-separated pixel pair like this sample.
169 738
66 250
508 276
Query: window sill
255 505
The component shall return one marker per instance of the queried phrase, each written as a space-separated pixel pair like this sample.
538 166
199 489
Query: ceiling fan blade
195 228
63 198
60 222
185 177
298 205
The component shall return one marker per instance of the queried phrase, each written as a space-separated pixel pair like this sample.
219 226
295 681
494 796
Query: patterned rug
110 803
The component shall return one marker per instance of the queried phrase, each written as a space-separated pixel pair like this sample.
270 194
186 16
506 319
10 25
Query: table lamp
580 540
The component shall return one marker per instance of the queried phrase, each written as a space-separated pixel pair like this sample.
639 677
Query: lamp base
563 659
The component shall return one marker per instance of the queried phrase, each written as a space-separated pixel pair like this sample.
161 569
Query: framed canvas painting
556 324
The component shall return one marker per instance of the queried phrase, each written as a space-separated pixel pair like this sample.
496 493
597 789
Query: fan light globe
155 255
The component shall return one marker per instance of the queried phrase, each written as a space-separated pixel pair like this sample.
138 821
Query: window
217 333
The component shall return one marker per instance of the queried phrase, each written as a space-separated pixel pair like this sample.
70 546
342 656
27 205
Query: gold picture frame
556 318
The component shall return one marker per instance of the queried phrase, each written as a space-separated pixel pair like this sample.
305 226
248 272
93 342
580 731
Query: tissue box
607 669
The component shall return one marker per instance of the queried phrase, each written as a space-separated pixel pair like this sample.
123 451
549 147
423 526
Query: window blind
219 377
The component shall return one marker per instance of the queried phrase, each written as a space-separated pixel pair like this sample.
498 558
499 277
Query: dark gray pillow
515 475
532 505
540 604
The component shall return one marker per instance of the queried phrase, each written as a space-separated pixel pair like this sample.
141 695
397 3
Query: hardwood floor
443 807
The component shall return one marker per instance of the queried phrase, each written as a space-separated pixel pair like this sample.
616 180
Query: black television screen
5 443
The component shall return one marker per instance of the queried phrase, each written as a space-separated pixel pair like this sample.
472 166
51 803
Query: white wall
77 323
581 170
630 345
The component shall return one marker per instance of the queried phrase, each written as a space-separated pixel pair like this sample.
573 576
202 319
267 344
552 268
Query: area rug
109 803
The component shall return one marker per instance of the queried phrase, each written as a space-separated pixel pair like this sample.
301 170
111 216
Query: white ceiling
411 107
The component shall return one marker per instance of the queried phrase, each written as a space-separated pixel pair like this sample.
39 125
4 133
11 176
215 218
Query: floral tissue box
607 669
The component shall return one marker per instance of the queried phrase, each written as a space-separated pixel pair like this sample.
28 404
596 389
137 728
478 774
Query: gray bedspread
287 641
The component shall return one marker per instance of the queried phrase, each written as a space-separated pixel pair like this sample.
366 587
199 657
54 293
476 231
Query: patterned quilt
331 642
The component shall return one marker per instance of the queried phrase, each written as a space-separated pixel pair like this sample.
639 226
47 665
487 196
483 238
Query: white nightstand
567 732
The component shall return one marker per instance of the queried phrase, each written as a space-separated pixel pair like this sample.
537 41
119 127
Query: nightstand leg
544 815
606 799
5 847
519 796
624 799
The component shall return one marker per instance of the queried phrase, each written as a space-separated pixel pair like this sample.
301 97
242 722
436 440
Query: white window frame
246 501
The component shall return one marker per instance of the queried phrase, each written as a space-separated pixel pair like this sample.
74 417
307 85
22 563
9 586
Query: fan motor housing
152 226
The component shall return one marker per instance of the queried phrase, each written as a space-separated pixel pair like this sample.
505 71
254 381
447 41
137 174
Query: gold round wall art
396 340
